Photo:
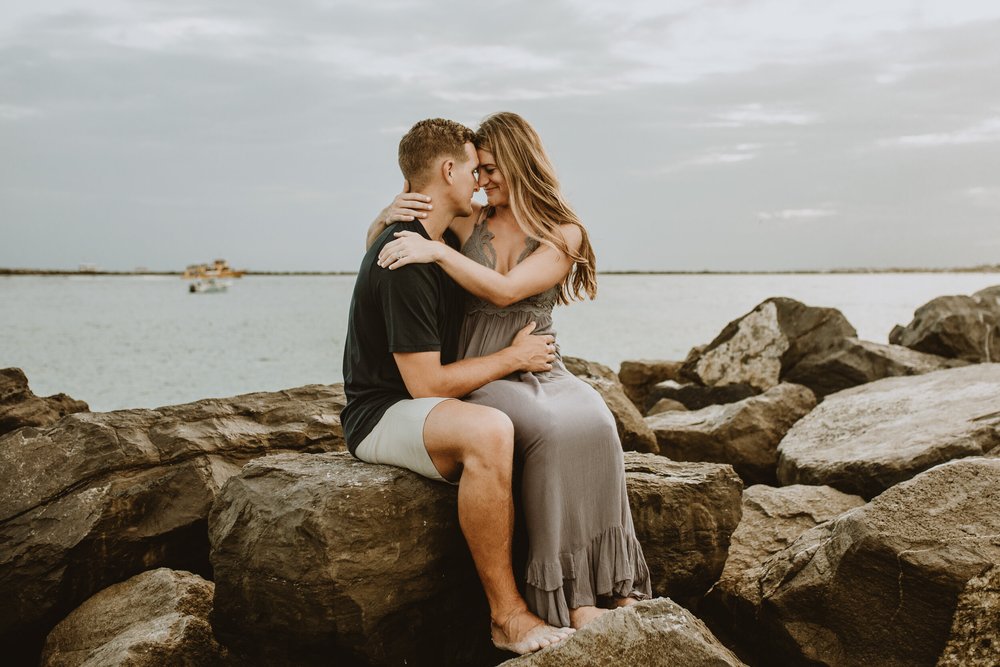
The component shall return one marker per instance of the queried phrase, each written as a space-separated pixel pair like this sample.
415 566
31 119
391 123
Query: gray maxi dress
581 540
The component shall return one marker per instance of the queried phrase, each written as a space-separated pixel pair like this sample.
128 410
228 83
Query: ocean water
144 341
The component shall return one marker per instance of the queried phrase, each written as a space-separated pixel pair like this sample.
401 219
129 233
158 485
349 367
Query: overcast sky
721 135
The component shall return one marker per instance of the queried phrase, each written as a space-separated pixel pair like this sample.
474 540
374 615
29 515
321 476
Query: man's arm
424 375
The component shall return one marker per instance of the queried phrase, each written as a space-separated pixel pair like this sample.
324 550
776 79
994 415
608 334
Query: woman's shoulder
572 234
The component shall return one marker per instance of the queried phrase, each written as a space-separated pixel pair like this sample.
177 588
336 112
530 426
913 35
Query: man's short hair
428 140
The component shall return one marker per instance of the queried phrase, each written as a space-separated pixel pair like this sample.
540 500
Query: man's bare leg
475 444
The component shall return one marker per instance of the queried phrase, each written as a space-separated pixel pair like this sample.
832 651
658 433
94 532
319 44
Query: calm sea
120 342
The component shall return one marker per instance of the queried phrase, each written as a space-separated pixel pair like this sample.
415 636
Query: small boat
208 286
208 279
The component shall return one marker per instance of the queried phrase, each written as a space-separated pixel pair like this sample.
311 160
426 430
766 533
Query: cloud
984 132
797 214
987 196
14 112
757 114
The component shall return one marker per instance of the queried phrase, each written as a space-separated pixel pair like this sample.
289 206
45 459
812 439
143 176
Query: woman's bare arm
544 268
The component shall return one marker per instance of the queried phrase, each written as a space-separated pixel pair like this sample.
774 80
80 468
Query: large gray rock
639 376
744 434
864 440
20 407
975 629
99 497
962 327
684 515
989 296
772 519
632 430
156 618
879 585
654 633
323 558
853 362
759 347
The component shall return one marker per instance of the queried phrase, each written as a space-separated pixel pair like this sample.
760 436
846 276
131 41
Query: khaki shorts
398 438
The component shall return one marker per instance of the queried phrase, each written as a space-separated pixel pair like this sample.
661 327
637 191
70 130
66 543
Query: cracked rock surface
880 584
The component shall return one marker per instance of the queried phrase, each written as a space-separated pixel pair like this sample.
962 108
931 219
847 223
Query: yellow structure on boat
220 269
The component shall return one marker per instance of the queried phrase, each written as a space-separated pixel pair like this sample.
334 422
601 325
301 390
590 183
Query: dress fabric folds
581 539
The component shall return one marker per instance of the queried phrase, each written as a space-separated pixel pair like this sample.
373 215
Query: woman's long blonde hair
535 198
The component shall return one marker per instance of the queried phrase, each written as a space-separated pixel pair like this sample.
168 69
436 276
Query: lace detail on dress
480 248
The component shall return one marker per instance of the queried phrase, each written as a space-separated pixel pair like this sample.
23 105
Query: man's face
466 179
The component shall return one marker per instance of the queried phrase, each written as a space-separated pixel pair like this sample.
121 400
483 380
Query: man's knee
490 443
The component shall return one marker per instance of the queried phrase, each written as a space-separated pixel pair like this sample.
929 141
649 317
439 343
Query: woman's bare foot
624 602
523 632
581 616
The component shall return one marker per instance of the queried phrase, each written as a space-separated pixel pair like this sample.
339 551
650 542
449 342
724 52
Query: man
400 370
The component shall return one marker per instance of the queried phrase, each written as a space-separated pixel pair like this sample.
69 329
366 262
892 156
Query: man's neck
439 218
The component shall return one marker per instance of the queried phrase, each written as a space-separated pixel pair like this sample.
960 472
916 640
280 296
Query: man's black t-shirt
416 308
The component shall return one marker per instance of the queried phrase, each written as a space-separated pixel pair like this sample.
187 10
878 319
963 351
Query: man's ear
447 171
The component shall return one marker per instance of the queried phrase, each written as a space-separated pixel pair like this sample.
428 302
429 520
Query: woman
522 253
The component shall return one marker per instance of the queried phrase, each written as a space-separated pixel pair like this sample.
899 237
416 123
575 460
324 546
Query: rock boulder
961 327
696 396
159 617
759 347
654 633
638 377
864 440
772 519
853 362
684 515
879 585
744 434
323 557
20 407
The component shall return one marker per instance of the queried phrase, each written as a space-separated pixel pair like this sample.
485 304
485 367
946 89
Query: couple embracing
454 300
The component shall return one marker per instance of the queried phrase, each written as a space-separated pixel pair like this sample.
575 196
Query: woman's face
492 181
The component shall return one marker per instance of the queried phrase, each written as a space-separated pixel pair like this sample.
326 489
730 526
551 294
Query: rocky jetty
961 327
20 407
632 430
159 617
654 633
744 434
237 532
99 497
864 440
880 584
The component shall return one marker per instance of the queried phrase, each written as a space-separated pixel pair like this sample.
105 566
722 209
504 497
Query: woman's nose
482 180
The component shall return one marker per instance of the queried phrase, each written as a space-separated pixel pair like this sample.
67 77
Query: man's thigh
455 430
398 438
